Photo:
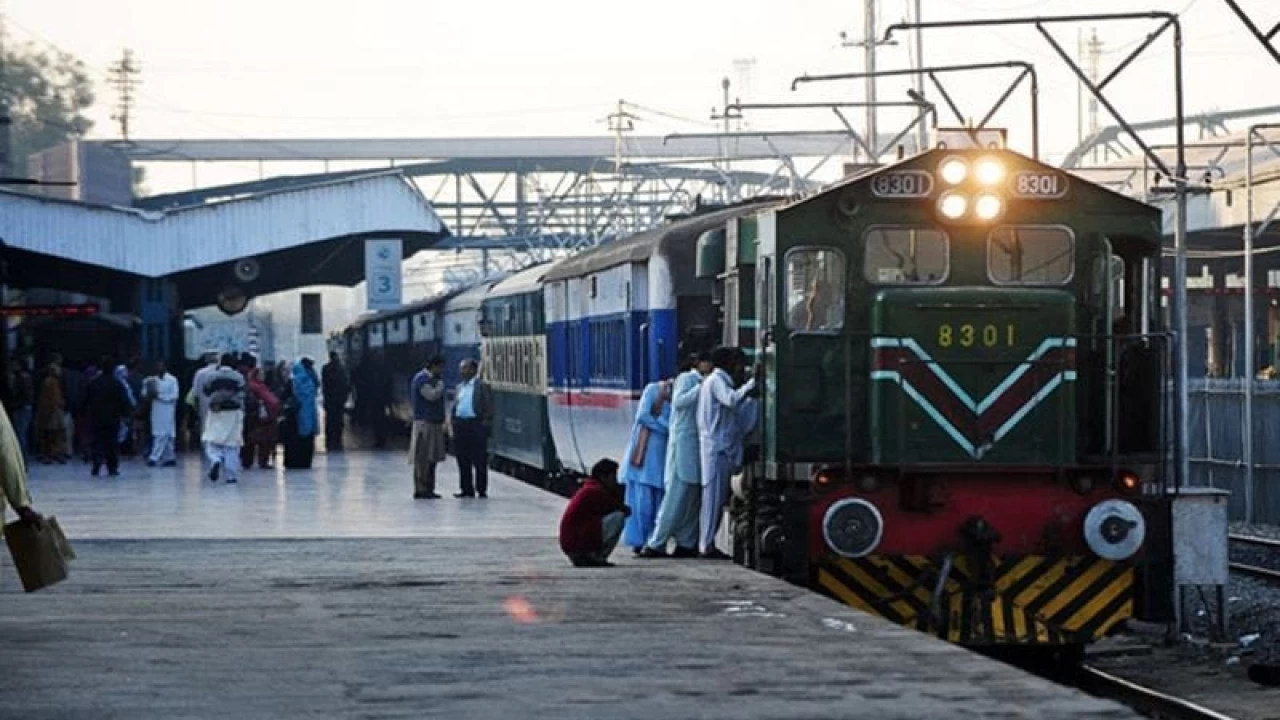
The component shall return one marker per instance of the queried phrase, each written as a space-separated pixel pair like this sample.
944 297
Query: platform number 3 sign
382 273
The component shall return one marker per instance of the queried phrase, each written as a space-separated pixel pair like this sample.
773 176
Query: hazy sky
379 68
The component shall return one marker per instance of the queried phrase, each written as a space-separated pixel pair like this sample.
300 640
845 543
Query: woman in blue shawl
301 422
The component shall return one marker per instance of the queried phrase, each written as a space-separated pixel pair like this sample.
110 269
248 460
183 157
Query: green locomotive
962 422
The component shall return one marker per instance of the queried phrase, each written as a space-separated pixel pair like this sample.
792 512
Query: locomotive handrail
644 354
858 341
1120 341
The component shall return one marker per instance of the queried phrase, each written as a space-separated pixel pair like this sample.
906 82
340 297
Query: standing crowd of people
234 411
245 412
672 488
98 412
666 499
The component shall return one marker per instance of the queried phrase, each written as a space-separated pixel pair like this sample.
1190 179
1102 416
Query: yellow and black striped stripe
1025 600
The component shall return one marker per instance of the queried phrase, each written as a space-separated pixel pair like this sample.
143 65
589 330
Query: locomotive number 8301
968 335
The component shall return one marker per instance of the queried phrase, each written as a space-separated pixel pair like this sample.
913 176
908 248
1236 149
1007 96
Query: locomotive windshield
1030 255
905 256
815 290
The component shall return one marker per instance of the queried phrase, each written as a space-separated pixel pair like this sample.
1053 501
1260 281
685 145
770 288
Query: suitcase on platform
37 553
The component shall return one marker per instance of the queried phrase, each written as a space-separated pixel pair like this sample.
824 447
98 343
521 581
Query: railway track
1148 702
1256 556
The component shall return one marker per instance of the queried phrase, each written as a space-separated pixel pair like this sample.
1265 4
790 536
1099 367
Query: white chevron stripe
928 408
961 394
951 430
1045 346
1044 392
909 343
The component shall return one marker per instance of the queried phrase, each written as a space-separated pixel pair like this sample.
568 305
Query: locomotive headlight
1114 530
1128 482
988 206
852 527
953 205
953 170
989 171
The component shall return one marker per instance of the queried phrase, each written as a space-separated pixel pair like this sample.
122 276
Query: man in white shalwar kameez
718 437
201 401
678 514
163 391
224 426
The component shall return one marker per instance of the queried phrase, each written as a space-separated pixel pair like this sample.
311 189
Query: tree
47 93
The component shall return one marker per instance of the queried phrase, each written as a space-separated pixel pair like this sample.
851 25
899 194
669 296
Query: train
384 350
962 421
567 347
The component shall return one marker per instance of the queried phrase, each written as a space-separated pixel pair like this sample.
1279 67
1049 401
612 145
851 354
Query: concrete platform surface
357 494
435 623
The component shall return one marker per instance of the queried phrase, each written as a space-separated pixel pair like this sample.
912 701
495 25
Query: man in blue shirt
472 420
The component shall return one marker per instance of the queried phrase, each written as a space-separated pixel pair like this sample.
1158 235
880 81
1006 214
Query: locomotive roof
525 281
471 298
640 247
928 160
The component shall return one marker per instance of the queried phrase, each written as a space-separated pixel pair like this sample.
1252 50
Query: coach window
815 290
1030 255
527 357
508 369
905 256
508 361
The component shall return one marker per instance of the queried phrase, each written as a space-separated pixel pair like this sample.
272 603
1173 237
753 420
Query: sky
429 68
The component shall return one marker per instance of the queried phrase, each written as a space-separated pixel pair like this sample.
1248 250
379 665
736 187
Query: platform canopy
306 235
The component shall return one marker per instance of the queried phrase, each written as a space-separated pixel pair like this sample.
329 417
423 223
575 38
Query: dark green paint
820 384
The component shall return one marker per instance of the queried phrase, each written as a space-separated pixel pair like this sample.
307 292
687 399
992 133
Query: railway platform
330 593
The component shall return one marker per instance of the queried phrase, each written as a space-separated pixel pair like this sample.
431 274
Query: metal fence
1215 418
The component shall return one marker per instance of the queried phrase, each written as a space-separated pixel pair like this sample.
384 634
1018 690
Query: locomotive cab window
905 256
1030 255
815 290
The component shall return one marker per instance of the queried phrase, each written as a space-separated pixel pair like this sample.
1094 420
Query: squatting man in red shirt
592 524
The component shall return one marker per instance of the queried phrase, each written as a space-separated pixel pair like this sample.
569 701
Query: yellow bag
36 555
64 545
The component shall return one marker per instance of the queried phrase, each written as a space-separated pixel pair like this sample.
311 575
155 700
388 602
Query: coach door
764 343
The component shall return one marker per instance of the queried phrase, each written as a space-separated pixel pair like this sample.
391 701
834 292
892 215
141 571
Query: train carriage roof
363 320
642 246
525 281
408 309
428 303
471 298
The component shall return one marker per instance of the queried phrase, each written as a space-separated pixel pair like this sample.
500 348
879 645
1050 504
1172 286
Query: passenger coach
513 350
461 336
618 317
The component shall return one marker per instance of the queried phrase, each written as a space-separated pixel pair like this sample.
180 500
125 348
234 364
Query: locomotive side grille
1032 600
